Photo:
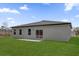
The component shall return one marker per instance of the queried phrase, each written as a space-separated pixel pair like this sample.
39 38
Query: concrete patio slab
31 40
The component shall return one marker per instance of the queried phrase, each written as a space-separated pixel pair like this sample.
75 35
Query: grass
9 46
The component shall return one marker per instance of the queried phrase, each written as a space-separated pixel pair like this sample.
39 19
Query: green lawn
9 46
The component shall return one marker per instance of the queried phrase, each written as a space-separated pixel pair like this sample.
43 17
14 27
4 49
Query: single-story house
44 30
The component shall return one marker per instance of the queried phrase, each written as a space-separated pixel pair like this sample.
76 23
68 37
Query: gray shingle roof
44 22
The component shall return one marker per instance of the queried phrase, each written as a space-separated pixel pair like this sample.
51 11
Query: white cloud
69 6
77 16
11 20
65 20
8 10
33 17
24 7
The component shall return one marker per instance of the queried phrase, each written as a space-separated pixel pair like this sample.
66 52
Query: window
14 32
39 33
20 31
29 31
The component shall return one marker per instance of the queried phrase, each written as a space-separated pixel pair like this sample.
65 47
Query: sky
23 13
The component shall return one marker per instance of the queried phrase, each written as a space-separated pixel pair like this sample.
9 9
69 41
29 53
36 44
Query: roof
43 23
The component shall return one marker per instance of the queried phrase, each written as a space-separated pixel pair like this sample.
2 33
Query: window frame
20 31
29 31
14 31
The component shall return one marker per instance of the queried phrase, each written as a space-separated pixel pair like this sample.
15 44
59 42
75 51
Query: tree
4 25
76 30
5 29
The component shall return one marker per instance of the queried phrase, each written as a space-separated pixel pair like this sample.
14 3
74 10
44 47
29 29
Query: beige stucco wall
55 32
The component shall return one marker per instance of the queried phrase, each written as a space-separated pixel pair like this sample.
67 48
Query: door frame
39 34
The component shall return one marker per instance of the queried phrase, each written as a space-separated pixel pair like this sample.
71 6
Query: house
5 32
44 30
76 30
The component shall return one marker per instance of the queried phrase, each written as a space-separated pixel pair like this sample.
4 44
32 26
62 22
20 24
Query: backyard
10 46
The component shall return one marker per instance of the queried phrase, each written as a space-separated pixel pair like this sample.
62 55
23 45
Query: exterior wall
55 32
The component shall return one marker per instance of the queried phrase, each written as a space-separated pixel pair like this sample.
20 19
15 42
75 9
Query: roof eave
42 25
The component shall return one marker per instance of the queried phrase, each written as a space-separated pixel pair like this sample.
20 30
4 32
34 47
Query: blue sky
23 13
